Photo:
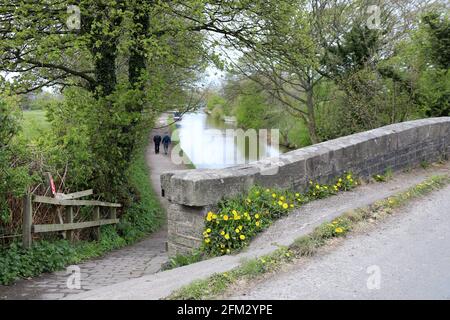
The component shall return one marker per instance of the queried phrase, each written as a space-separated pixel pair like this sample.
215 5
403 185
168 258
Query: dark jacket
157 139
166 140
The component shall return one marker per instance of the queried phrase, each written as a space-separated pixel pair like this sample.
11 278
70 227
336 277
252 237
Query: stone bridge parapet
192 193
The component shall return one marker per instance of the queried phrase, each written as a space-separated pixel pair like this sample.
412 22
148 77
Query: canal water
211 143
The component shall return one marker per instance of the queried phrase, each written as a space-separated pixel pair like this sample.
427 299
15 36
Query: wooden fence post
96 218
27 221
112 213
69 219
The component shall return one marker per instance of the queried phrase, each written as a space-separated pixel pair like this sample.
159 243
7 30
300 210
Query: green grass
299 135
143 216
34 123
308 245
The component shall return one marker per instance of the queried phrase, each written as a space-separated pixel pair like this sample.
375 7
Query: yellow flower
285 206
222 233
256 216
237 230
228 250
291 205
225 218
214 216
274 195
258 223
335 222
280 203
245 214
340 180
227 236
234 212
297 195
240 227
282 198
267 190
207 240
317 186
339 230
349 177
208 230
242 237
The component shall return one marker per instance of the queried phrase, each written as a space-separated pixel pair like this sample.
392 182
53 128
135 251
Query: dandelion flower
225 218
227 236
339 230
285 206
242 237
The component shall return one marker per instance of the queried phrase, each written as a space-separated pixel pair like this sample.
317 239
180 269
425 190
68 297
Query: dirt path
140 259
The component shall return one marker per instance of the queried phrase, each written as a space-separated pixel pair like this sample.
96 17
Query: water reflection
211 143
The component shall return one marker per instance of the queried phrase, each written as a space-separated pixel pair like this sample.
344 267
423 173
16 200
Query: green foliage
215 100
251 110
14 166
34 124
239 219
143 216
181 260
438 28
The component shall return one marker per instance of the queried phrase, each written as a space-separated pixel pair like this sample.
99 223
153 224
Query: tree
126 54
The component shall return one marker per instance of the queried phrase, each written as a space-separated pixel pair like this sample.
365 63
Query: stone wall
192 193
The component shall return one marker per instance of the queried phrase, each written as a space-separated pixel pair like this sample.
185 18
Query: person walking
157 140
166 141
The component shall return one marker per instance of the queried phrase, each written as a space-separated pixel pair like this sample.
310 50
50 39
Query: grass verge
34 122
143 216
308 245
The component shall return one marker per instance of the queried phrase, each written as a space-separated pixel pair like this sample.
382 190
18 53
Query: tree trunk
311 117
